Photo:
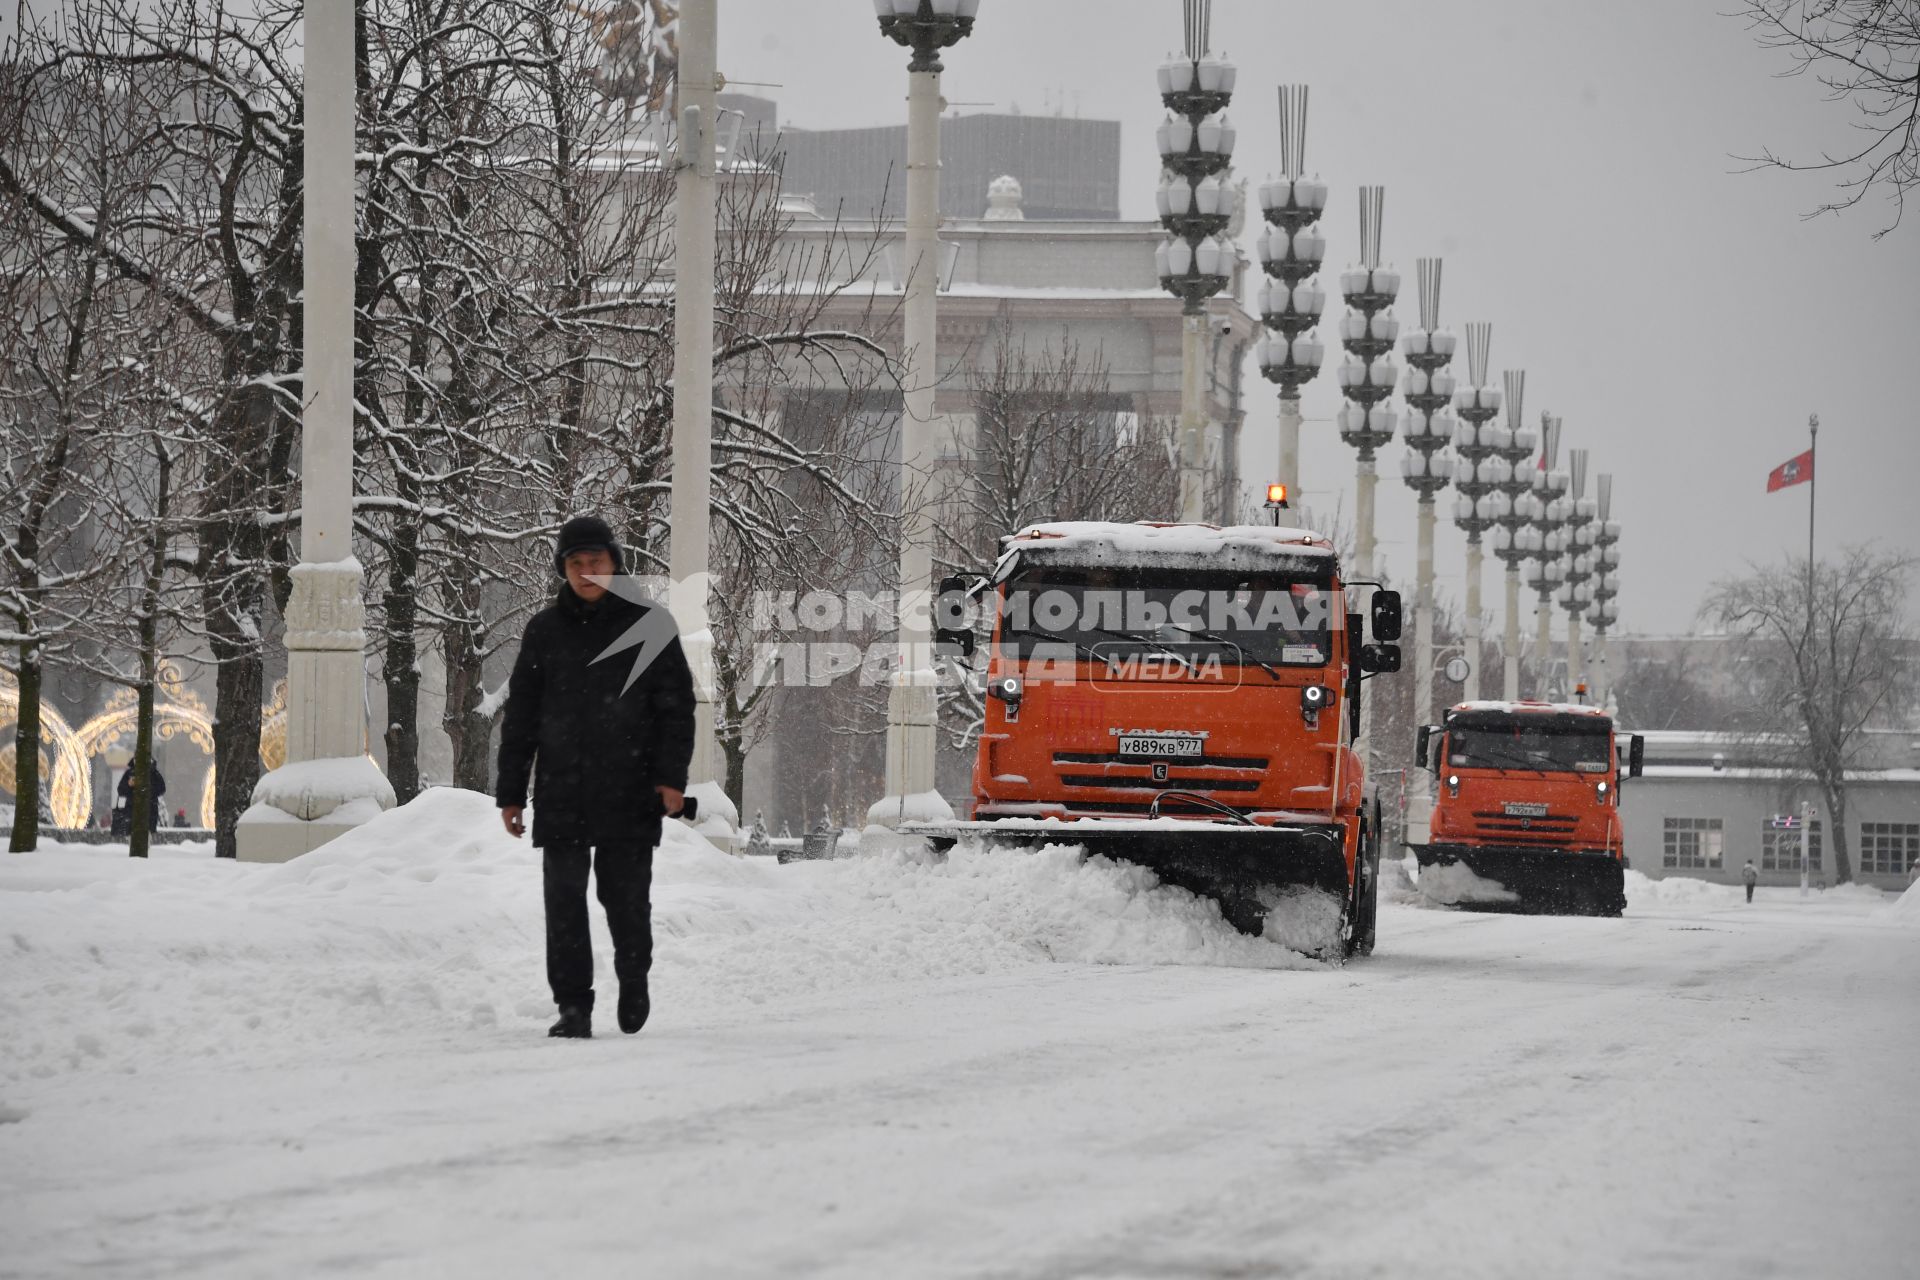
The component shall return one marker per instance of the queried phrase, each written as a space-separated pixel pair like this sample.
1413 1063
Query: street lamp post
329 784
1426 468
1196 206
1479 470
1544 571
1606 586
1368 375
925 27
1512 512
1575 594
1291 301
690 512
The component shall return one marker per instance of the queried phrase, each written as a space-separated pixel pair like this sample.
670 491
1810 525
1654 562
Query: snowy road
1699 1089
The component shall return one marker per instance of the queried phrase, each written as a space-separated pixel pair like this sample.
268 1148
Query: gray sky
1570 161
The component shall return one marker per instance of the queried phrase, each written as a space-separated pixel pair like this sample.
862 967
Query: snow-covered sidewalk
996 1064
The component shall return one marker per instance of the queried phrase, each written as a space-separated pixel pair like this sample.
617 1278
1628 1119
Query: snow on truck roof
1495 706
1157 545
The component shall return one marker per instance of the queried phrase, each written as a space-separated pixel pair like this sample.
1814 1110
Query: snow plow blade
1525 880
1246 869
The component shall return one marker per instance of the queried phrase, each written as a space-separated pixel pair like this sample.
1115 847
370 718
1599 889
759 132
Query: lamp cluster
1428 391
1196 147
926 27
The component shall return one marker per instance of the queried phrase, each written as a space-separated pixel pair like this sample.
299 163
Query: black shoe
634 1008
576 1023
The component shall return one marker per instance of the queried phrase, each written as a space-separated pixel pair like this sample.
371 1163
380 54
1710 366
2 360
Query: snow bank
1905 910
426 922
1643 890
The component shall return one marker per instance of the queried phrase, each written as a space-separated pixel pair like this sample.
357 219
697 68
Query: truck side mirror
1420 745
1386 617
1380 659
1636 755
951 626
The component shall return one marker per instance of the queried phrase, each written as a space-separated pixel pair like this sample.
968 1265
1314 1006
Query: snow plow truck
1526 812
1184 697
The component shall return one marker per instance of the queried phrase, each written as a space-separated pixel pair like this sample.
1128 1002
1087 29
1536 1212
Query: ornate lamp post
1476 475
1196 147
1291 301
1512 501
1606 586
1575 595
1369 374
926 27
329 784
1426 469
1545 540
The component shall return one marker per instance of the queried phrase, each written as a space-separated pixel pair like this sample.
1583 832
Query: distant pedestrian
1749 877
156 787
607 749
180 817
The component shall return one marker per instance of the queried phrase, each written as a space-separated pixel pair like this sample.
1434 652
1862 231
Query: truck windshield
1240 618
1548 749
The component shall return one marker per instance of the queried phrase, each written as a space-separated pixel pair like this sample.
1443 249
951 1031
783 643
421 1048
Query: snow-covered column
1193 418
691 510
329 784
1427 469
1510 673
926 27
1476 560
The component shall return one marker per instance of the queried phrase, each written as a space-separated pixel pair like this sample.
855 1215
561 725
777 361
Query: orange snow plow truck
1184 697
1526 812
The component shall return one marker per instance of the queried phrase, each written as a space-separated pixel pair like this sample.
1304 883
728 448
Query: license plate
1141 744
1513 809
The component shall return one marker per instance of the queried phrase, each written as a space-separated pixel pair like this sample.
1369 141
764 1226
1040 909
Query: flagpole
1813 490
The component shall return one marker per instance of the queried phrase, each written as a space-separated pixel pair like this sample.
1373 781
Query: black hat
586 533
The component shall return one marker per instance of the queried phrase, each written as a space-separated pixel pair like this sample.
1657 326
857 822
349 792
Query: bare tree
1866 53
1051 441
1829 655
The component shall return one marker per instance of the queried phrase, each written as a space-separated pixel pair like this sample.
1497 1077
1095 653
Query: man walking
1749 877
607 738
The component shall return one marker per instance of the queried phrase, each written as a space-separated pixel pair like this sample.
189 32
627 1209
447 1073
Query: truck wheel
1365 908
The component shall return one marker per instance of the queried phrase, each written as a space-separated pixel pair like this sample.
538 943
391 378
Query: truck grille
1203 762
1176 780
1553 824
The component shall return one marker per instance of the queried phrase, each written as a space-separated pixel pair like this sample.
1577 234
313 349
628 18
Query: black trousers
1749 893
623 874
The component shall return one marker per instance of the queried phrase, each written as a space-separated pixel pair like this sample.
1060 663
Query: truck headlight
1314 699
1008 689
1453 784
1600 790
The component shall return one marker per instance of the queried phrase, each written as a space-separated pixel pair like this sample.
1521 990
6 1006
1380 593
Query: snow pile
1905 910
426 922
1453 883
1679 891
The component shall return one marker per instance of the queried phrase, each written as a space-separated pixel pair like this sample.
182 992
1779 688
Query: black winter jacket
595 754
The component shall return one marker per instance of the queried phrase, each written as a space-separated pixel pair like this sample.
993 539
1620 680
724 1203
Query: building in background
1703 806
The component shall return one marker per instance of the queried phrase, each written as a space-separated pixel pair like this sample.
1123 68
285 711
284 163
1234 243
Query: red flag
1792 471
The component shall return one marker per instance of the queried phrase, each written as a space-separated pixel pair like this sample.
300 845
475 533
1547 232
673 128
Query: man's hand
673 801
510 819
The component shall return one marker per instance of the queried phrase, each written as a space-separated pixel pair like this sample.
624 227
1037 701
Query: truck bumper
1528 879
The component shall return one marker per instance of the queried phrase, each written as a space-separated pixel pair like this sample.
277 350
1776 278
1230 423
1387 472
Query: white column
1600 689
1543 647
1510 685
1193 419
910 702
1289 472
1420 792
1366 479
329 784
1475 557
1575 671
690 514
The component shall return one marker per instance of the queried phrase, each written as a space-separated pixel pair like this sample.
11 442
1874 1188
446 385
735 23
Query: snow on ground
994 1064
